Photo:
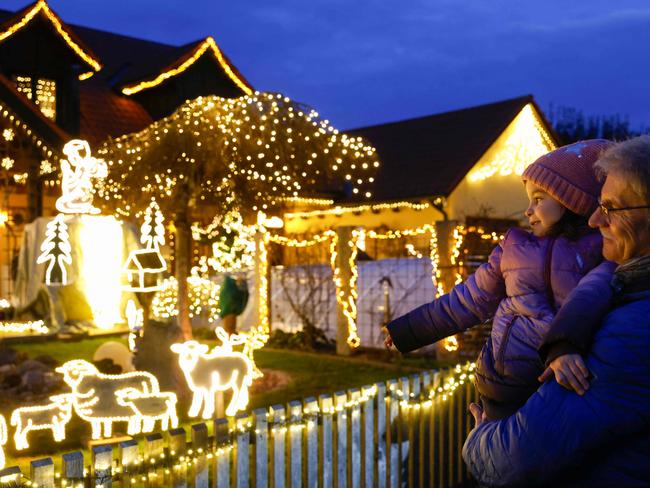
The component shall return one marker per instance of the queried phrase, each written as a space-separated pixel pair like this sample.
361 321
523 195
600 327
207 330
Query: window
41 91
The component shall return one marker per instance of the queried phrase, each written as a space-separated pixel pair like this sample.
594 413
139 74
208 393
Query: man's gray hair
631 158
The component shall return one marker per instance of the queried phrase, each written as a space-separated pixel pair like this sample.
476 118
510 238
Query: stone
6 369
8 356
47 360
30 364
33 380
11 380
116 352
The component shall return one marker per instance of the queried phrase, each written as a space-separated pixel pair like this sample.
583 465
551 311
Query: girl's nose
528 212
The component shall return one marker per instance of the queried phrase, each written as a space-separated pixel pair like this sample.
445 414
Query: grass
311 374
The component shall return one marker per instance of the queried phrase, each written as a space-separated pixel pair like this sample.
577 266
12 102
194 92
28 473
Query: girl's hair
571 225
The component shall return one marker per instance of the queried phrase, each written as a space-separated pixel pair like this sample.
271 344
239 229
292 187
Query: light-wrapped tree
251 153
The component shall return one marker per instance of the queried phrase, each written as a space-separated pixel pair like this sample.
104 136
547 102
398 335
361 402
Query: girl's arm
467 304
575 323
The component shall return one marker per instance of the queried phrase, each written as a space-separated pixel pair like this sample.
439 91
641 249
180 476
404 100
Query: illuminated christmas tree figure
56 251
153 236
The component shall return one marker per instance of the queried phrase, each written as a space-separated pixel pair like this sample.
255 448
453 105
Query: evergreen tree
56 251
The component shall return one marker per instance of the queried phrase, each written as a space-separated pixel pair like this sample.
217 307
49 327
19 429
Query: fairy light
9 133
270 149
208 44
32 327
210 371
41 6
339 210
526 141
7 163
203 295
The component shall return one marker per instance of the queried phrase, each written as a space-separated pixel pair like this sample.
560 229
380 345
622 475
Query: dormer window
41 91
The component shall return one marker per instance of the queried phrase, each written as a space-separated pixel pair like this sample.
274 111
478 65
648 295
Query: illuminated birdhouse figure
143 268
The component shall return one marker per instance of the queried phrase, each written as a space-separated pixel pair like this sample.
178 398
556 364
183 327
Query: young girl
527 278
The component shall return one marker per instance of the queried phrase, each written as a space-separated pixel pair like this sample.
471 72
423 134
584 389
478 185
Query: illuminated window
41 91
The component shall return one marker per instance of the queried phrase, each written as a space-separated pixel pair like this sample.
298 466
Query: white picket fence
404 432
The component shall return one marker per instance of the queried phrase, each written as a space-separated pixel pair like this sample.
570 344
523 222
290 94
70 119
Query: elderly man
600 438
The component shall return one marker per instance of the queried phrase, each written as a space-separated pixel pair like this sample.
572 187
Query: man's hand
388 340
570 372
478 413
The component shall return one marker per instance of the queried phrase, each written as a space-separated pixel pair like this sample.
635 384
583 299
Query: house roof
124 60
430 155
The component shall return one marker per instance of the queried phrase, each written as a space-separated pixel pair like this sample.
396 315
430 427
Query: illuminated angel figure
76 185
56 251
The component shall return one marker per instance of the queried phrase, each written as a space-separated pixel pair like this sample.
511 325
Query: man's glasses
607 211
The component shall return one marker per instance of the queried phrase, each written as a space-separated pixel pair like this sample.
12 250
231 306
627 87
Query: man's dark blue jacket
561 438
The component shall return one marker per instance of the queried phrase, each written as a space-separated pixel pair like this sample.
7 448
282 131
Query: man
602 437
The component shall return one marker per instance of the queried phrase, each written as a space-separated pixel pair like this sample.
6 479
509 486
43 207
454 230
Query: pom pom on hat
567 174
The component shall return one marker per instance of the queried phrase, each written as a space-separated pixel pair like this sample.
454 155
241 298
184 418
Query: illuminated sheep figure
52 416
98 391
207 373
148 407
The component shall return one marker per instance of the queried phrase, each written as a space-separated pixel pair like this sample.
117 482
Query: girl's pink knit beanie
567 174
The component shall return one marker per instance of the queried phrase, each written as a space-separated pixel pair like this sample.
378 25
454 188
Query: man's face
626 234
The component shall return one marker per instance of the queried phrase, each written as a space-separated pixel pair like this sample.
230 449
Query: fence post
41 473
222 463
177 442
355 460
342 263
392 443
102 466
340 399
73 469
243 425
402 436
12 475
382 435
261 448
310 411
295 443
327 409
369 443
154 449
199 435
127 454
279 431
425 468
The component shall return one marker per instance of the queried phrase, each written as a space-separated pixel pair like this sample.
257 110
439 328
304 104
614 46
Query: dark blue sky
361 62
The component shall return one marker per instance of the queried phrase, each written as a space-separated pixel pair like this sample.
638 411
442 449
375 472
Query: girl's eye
537 199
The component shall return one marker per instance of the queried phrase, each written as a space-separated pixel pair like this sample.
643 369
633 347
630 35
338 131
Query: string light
526 141
339 210
203 295
32 327
250 152
208 44
41 6
9 133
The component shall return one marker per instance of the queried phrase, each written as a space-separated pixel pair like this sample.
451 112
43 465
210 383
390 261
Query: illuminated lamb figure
76 185
148 407
98 391
52 416
207 373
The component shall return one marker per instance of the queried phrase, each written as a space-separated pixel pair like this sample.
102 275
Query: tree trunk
182 263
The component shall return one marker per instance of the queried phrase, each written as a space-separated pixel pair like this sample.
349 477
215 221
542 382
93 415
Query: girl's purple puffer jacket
520 288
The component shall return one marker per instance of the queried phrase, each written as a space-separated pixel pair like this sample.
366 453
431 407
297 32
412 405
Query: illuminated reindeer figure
208 372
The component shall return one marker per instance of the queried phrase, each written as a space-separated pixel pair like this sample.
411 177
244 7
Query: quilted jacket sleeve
469 303
574 325
557 429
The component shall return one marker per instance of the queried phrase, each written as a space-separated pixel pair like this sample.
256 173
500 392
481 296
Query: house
143 267
453 165
60 81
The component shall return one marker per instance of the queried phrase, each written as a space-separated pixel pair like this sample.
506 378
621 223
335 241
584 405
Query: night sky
364 62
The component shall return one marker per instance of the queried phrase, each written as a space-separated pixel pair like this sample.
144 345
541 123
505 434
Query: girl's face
543 210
